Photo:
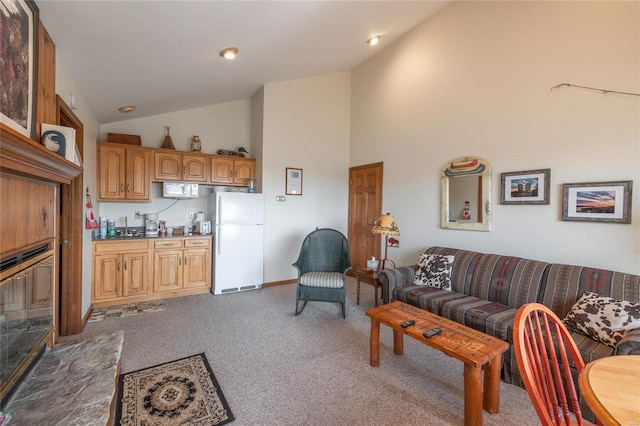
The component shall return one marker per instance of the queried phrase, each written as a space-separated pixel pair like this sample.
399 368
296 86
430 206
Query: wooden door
221 170
111 173
135 275
72 201
194 168
167 166
137 175
365 206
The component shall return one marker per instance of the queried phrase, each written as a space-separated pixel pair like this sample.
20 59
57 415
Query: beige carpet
313 369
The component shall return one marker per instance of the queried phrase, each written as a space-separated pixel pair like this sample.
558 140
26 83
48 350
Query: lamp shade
386 225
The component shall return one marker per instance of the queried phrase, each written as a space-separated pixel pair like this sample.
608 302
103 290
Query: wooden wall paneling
46 80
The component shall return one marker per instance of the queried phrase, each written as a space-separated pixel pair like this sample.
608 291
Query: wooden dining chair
542 346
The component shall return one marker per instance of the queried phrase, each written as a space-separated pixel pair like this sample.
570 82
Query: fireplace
26 313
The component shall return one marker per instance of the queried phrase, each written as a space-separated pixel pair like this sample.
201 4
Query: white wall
475 79
65 87
221 126
305 125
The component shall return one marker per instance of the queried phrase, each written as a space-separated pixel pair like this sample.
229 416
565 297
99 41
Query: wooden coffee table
474 348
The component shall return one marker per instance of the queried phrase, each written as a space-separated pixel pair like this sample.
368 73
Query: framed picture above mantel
19 22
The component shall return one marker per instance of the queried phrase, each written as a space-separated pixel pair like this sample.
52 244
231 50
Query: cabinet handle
179 171
180 261
185 261
121 187
125 265
118 266
128 188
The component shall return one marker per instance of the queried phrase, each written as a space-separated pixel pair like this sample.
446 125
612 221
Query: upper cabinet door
194 168
244 169
221 170
111 173
167 166
138 175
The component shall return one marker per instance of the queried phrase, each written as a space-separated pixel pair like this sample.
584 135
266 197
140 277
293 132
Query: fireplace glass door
26 314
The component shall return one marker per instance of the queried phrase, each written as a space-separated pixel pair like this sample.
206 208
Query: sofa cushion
428 298
566 283
508 280
494 319
463 266
603 318
434 270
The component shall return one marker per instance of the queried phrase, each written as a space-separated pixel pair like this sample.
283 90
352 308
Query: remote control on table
407 323
432 333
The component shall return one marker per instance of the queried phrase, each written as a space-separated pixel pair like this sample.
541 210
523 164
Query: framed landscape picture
597 201
528 187
19 24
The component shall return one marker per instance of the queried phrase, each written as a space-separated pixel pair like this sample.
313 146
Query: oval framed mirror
466 194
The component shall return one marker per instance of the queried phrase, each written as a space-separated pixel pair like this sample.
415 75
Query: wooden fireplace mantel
23 156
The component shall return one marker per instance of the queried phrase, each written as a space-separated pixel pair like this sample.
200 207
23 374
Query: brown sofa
487 290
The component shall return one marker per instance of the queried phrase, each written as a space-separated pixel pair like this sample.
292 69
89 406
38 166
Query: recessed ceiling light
127 108
229 52
374 40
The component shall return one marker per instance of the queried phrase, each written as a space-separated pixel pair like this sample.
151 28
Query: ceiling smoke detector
127 108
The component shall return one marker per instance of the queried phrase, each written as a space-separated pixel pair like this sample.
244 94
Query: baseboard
275 283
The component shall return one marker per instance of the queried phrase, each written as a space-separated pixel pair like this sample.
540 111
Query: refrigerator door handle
218 210
218 232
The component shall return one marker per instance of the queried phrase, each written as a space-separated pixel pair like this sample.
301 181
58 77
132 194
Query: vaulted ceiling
163 56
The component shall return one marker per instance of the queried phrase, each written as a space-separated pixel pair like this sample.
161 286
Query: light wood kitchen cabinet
174 166
182 264
120 269
232 171
123 173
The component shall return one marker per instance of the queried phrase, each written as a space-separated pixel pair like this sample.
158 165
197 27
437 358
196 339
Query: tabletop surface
611 387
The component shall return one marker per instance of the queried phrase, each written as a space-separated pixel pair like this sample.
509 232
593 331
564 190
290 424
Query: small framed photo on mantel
529 187
294 181
597 201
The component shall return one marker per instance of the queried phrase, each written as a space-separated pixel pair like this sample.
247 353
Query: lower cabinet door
167 267
135 274
197 268
106 273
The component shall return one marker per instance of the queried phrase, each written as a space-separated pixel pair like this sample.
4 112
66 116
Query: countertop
138 234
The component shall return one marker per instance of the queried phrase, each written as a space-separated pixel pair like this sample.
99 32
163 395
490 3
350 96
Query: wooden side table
368 276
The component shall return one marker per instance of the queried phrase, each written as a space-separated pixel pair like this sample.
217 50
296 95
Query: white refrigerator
238 241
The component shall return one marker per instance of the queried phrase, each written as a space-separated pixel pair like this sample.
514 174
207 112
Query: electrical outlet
138 215
192 215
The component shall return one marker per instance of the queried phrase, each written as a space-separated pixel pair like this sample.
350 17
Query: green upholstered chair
322 267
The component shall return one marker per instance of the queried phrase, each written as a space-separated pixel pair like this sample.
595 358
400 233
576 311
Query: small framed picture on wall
294 181
597 201
529 187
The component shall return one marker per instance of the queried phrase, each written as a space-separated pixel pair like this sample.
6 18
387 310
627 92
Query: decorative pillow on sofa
434 270
603 318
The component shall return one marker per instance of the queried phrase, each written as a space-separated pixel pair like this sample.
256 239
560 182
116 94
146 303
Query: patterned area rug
176 393
130 309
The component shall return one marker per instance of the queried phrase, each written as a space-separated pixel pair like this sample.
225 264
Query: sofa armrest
629 344
395 277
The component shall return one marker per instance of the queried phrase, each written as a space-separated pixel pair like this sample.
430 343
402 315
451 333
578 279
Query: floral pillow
434 270
603 318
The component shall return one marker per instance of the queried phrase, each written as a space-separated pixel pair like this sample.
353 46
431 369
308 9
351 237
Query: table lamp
386 225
